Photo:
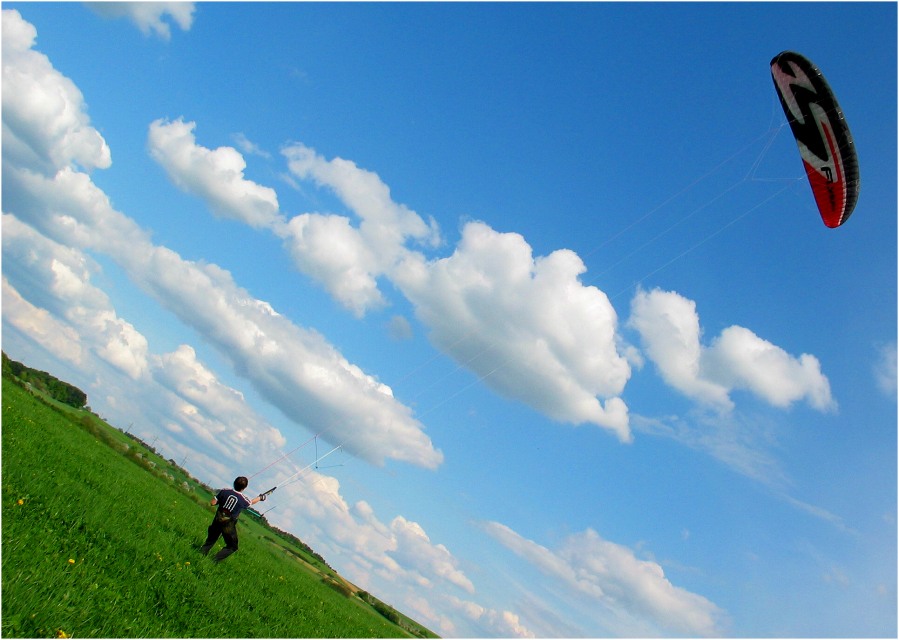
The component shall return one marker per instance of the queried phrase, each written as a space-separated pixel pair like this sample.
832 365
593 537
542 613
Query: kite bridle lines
299 474
288 454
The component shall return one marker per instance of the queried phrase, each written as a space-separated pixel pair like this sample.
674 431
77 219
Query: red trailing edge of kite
825 144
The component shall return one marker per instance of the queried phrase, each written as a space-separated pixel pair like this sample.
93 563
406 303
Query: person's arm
214 501
256 499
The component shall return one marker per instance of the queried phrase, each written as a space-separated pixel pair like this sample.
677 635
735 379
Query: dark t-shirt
231 502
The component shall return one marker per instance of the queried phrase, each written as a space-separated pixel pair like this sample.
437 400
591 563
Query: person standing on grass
230 503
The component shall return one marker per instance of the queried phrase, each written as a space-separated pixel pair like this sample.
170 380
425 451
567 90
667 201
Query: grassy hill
100 537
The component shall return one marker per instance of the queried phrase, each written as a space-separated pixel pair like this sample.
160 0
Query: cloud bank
524 325
294 368
615 581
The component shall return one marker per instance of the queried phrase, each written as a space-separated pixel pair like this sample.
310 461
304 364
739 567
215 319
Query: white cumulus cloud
41 326
45 125
62 278
415 547
215 413
526 325
741 360
348 259
492 622
334 253
400 553
215 175
669 327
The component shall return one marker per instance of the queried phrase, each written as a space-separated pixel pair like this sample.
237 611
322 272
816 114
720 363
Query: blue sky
550 275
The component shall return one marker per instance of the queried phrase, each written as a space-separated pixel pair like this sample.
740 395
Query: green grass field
99 539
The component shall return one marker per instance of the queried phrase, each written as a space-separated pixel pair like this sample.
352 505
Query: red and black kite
820 129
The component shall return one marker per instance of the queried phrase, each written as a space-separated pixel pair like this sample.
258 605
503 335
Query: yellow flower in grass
62 634
71 561
20 501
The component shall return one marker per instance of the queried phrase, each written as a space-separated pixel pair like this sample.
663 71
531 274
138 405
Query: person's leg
213 533
229 532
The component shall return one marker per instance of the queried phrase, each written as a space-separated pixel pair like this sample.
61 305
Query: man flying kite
230 503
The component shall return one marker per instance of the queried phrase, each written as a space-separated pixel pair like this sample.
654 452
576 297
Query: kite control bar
263 496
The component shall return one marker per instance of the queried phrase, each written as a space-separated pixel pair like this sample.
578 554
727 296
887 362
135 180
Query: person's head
240 483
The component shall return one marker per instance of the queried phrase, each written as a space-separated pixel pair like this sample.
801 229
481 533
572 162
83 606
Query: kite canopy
820 129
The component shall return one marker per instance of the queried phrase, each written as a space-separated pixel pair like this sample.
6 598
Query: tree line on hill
296 541
43 381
